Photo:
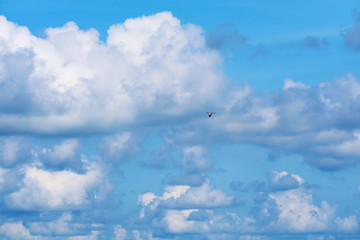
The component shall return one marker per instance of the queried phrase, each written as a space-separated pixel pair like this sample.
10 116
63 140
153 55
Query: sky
104 132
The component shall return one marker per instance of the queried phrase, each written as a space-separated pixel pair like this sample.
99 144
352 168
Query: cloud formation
320 123
58 190
154 73
284 180
70 82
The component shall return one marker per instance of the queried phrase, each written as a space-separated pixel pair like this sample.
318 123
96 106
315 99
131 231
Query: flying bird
210 114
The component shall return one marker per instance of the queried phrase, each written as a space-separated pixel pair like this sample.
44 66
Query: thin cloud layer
352 35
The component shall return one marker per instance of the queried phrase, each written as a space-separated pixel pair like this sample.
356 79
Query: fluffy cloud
149 72
118 147
187 197
119 232
63 155
15 231
61 226
193 159
294 211
149 69
51 190
191 210
14 150
285 181
180 221
321 123
297 212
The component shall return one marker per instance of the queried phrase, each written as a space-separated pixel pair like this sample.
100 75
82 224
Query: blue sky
104 131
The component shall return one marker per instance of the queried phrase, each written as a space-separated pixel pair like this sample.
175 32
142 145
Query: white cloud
347 224
65 154
186 197
176 221
193 159
62 226
118 147
94 235
294 211
284 180
14 150
183 197
136 235
298 214
119 232
289 83
65 189
149 69
320 123
181 222
16 231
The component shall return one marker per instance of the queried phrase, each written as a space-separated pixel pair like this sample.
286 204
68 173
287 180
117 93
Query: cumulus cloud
183 222
193 159
289 83
150 68
352 35
294 211
9 180
61 226
297 212
204 196
347 224
56 190
284 180
320 123
14 150
119 147
183 197
64 155
15 230
119 232
149 72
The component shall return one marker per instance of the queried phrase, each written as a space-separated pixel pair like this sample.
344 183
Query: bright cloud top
70 80
65 189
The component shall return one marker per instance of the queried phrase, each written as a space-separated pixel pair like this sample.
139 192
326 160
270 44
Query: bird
210 114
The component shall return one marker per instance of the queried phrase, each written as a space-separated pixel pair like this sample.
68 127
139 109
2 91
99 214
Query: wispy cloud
352 35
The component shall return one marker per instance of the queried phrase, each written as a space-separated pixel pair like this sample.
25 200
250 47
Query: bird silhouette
210 114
